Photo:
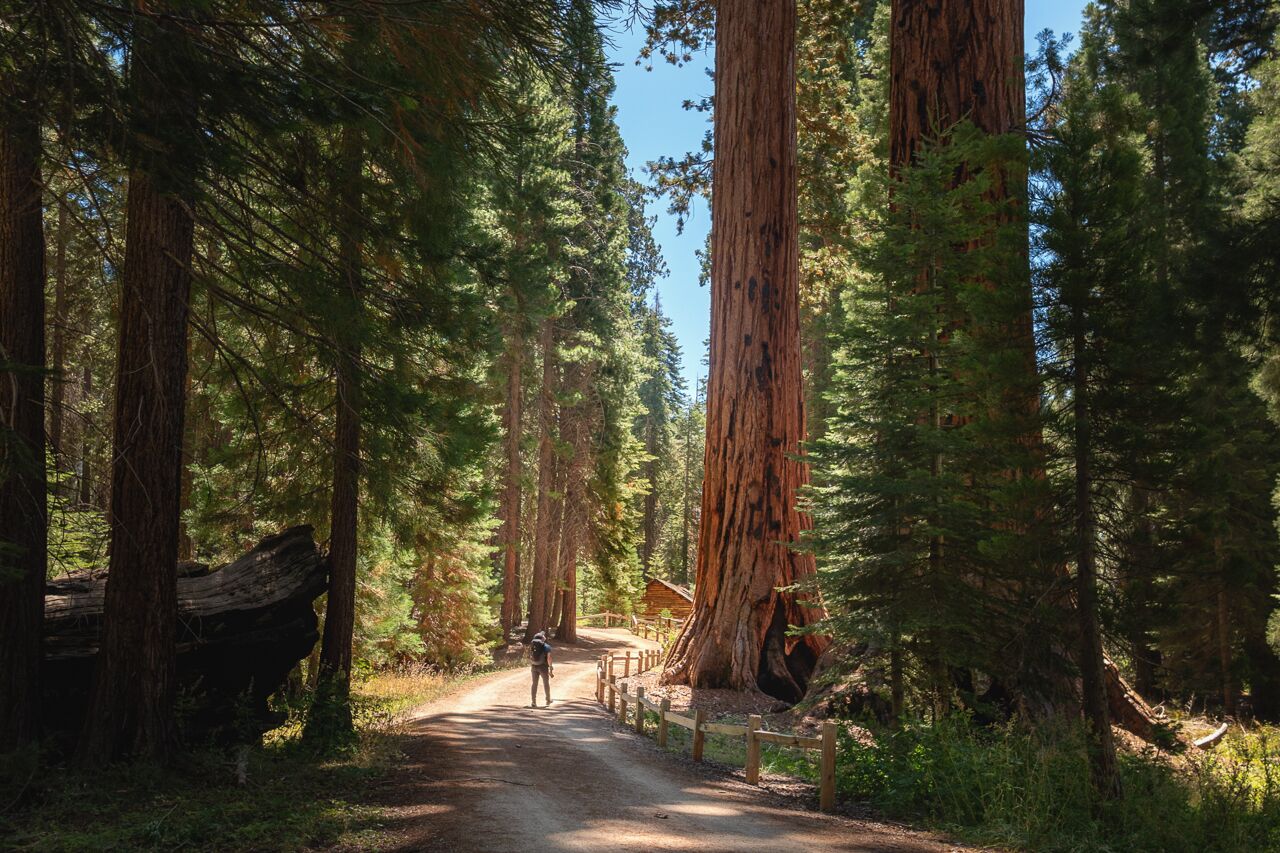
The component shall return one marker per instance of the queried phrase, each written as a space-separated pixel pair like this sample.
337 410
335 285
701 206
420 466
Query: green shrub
1029 788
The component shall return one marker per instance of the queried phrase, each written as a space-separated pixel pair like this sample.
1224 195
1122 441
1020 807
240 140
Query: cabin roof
678 590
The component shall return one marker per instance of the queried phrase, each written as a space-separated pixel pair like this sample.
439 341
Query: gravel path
485 773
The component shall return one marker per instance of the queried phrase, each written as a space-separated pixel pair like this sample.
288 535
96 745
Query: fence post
626 664
827 789
622 705
600 670
613 689
639 709
663 707
754 723
699 736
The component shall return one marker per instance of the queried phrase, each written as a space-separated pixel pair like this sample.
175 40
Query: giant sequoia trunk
22 471
240 629
737 636
952 61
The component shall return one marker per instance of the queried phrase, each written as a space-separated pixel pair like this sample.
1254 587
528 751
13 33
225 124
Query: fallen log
1210 740
241 629
1127 708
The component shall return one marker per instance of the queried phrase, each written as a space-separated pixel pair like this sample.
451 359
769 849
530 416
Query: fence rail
616 697
648 627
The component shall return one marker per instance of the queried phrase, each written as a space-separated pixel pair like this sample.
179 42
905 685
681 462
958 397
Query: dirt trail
485 773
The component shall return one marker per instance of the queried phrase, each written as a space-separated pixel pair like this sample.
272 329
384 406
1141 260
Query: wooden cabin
660 595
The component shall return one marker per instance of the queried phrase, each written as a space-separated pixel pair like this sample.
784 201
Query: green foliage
1028 788
929 524
292 800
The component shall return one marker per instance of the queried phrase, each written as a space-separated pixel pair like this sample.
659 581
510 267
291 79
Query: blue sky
653 125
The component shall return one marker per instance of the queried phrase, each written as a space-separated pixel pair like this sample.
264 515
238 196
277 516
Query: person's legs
546 682
533 692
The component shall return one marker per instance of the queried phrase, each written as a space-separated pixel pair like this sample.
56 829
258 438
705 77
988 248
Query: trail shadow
501 777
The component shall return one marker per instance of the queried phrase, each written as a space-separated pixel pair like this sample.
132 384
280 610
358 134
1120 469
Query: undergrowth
1024 788
1029 789
293 798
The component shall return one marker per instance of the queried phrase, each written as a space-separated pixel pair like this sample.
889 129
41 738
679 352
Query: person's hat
539 636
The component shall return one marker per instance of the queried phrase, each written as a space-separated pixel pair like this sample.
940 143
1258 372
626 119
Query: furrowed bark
131 710
23 518
737 636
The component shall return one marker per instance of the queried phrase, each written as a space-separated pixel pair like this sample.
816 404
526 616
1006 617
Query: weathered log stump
241 629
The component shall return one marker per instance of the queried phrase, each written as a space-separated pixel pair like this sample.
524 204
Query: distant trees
317 237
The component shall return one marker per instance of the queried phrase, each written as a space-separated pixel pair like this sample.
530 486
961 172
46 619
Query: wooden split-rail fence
614 695
657 628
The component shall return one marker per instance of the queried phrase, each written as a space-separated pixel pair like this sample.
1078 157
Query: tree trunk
577 435
1223 613
512 423
1137 586
567 628
23 520
131 709
186 547
331 716
86 440
737 636
58 363
543 532
953 60
1102 752
550 592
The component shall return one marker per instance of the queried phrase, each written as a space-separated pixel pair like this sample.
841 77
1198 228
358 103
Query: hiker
540 666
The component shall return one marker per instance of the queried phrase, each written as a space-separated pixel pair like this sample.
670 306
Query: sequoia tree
22 470
737 636
131 704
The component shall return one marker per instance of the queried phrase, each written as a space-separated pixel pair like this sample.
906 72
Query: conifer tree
661 393
23 518
1094 287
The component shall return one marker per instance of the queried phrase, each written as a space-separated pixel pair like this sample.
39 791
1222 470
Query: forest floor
483 772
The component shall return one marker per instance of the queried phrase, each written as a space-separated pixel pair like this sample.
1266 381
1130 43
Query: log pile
241 629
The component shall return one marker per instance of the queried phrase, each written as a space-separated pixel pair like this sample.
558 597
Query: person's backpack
538 652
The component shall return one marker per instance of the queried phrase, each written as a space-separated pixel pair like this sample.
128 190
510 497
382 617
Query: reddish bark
131 709
737 634
23 520
952 60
